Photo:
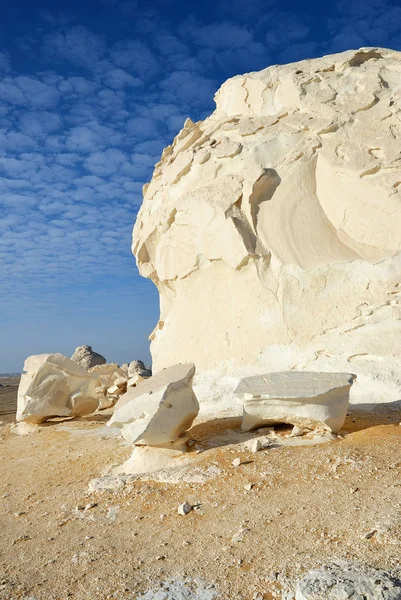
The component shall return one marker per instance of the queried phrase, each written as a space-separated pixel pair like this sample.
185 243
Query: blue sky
90 93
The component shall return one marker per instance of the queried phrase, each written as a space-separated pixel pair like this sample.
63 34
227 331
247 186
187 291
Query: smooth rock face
347 580
87 358
55 386
296 397
160 409
272 228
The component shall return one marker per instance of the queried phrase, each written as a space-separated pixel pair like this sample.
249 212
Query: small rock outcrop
344 579
160 409
55 386
272 228
137 367
87 358
300 398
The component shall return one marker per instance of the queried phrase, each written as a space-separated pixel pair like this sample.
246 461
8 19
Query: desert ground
255 530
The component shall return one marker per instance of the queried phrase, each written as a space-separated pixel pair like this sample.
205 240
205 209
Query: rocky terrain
254 531
272 231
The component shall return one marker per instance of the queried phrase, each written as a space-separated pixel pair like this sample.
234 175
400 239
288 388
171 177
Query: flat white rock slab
306 399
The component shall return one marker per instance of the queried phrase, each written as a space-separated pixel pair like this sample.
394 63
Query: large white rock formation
272 229
303 399
55 386
160 409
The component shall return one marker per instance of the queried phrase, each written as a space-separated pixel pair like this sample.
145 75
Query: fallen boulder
55 386
344 579
87 358
301 398
160 410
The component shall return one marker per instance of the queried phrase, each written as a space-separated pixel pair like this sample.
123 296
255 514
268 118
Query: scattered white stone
55 386
115 390
160 410
184 508
256 445
236 462
135 380
181 590
239 536
107 374
302 398
297 431
343 580
248 487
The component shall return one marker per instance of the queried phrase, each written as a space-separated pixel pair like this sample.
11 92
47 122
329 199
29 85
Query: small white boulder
160 410
184 508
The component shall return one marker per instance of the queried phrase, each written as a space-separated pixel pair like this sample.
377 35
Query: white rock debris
184 508
304 399
344 579
159 410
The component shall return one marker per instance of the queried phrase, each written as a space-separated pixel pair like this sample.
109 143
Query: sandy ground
307 506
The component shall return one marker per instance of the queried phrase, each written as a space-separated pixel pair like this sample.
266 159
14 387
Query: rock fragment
160 410
184 508
301 398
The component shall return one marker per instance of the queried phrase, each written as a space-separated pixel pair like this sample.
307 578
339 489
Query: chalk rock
137 367
133 381
87 358
272 228
55 386
301 398
108 374
124 368
159 410
184 508
345 579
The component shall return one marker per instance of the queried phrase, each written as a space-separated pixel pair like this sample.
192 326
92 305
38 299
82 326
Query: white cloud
5 65
76 45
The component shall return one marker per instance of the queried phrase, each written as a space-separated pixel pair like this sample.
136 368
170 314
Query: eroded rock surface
300 398
272 229
55 386
160 409
87 358
345 579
